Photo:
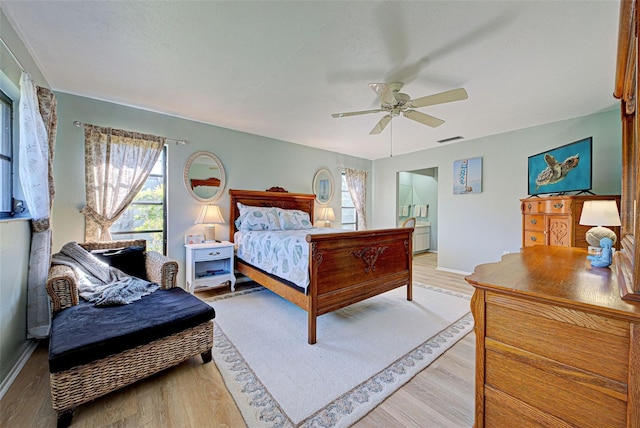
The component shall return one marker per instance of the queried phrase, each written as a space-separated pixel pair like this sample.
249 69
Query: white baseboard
453 271
26 354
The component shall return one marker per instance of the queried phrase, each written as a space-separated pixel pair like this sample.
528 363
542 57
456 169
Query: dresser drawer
541 389
532 207
212 253
589 342
533 238
534 222
557 206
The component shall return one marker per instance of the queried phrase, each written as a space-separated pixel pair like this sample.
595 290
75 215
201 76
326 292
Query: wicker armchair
85 382
61 283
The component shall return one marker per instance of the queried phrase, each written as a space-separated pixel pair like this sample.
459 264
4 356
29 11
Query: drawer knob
529 206
534 221
214 253
558 205
533 238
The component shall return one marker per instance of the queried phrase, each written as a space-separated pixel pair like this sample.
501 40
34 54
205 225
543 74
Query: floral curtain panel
117 163
357 185
38 124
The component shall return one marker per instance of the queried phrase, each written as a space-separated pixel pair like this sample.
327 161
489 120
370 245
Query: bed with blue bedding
319 270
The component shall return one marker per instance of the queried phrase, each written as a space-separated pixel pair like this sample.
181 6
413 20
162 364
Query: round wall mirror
323 186
204 176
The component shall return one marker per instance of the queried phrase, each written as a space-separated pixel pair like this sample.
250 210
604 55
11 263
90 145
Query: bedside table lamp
600 214
209 215
327 216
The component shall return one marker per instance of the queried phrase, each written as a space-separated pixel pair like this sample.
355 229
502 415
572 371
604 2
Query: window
146 216
349 215
6 156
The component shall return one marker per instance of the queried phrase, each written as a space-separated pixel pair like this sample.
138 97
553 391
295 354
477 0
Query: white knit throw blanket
98 282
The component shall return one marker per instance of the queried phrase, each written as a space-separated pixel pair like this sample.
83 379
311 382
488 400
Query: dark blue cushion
84 333
130 260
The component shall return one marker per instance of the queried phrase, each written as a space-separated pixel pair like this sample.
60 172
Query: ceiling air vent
446 140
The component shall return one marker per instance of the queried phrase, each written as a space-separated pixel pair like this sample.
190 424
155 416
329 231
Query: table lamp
209 216
600 214
327 216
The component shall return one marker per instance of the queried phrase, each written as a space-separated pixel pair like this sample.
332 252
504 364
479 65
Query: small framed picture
193 239
467 176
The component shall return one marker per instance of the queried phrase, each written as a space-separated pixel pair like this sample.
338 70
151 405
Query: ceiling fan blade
425 119
442 97
382 123
356 113
385 91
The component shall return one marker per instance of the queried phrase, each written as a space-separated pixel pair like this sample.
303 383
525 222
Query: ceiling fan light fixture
394 103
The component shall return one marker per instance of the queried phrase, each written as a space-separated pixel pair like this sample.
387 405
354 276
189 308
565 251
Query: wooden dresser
555 343
554 220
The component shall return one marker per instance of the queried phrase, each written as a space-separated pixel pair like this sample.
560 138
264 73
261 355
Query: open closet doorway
417 196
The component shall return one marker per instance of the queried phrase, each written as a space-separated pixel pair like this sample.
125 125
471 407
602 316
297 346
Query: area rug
365 352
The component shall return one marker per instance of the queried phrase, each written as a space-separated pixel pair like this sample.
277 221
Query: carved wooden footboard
353 266
345 268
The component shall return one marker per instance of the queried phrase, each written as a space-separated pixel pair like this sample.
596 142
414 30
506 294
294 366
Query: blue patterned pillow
294 219
257 218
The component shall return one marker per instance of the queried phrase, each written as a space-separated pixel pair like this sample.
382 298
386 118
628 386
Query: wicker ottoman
93 351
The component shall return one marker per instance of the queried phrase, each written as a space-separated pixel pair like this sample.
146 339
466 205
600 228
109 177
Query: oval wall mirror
204 176
323 186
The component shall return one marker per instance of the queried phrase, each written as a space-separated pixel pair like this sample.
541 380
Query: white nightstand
209 264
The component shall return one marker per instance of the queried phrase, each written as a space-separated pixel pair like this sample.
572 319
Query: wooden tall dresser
554 220
556 346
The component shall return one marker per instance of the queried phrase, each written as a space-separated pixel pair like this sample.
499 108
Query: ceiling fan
395 102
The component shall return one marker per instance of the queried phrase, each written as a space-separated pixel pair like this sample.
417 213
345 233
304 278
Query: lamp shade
209 214
600 213
327 216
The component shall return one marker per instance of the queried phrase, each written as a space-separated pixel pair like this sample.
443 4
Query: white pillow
294 219
257 218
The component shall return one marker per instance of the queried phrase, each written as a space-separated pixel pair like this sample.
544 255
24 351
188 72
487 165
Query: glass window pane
140 217
5 186
145 217
152 191
6 164
346 200
154 239
158 168
5 128
348 215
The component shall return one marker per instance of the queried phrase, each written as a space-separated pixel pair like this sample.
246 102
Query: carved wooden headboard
287 201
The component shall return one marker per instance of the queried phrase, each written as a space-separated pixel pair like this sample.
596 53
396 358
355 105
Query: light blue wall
250 162
478 228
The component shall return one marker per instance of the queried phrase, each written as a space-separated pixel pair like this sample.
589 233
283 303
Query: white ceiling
279 69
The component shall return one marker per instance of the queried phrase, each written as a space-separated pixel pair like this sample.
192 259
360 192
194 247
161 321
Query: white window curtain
35 159
357 185
117 163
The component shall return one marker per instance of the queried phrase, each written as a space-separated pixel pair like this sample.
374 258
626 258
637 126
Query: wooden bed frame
344 268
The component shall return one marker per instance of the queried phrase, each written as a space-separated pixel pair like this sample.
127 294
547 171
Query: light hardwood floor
193 394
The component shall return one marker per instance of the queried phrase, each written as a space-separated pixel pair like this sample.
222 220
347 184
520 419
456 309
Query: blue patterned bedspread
283 253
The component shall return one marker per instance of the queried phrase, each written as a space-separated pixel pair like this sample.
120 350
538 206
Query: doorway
417 196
